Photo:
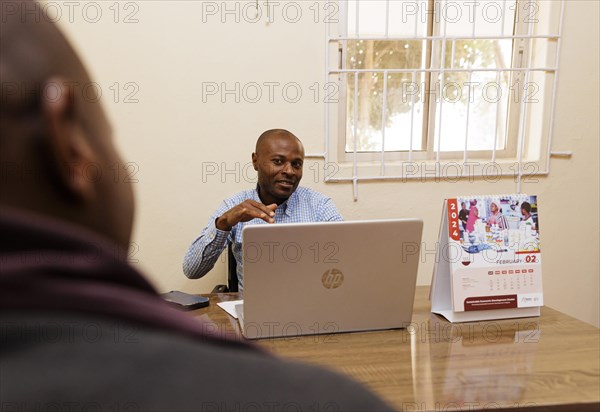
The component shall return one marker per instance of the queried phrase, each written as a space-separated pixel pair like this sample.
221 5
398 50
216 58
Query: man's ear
254 161
70 153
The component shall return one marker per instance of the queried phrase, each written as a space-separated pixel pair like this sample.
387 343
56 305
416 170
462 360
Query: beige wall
172 136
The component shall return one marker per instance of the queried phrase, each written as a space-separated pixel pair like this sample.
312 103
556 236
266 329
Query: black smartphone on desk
185 301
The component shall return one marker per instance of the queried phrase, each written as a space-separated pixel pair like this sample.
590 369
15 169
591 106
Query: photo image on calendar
502 223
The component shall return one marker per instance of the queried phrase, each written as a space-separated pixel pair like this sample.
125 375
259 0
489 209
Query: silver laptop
312 278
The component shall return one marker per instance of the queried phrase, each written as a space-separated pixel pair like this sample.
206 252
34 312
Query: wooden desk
550 363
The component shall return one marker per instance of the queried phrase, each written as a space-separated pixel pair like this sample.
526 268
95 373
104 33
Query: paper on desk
229 307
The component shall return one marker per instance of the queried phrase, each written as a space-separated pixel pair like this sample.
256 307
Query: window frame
518 70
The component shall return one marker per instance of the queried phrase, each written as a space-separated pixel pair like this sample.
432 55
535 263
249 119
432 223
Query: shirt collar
288 206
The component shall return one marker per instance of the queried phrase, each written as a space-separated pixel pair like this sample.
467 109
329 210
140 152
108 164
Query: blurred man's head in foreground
56 148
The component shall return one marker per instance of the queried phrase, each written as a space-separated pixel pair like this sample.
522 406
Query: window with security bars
440 80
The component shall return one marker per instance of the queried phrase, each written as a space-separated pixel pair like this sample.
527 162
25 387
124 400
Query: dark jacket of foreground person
81 330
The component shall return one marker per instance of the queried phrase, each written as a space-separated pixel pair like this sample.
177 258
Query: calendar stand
488 260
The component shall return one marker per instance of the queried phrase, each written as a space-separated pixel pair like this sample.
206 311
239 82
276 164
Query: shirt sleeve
329 212
203 253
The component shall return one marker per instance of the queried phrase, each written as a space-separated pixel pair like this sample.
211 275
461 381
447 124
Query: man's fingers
250 209
250 212
268 210
259 213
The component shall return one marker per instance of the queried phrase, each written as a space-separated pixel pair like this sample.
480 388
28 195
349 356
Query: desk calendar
489 261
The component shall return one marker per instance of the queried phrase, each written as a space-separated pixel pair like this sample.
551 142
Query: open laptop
312 278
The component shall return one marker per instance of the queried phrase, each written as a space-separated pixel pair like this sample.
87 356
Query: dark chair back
232 278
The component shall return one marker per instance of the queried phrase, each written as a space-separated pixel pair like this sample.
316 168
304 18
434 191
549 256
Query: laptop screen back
314 278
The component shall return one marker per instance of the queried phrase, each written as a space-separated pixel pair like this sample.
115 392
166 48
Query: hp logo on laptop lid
332 278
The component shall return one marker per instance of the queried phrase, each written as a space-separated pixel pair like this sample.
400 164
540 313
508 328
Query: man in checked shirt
278 160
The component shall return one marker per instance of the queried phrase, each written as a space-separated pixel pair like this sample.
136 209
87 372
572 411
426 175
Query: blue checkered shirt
304 205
